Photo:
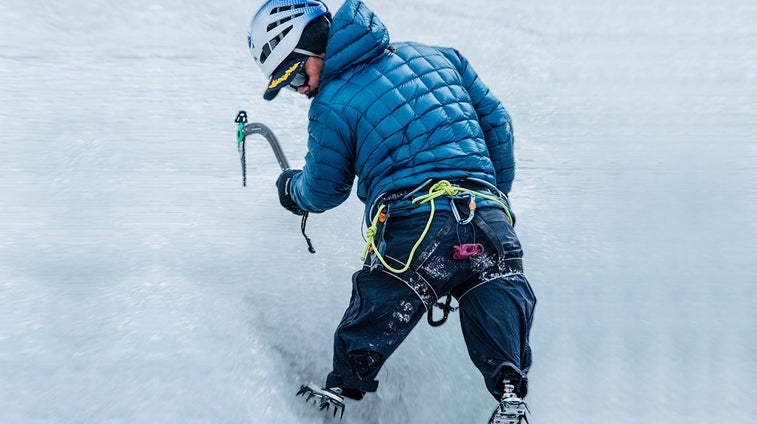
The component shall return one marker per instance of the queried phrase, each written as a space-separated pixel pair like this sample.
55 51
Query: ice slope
140 282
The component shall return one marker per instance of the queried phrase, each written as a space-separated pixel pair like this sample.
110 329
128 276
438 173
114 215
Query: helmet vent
264 54
273 43
273 25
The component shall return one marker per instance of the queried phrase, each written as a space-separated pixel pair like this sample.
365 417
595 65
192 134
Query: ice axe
243 130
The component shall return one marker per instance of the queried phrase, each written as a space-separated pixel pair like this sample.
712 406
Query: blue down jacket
395 115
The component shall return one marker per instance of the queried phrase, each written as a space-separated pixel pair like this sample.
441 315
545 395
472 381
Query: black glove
285 196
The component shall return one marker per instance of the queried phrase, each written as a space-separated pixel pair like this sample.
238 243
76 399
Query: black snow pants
496 301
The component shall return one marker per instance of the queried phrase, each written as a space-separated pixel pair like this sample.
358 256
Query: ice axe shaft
258 128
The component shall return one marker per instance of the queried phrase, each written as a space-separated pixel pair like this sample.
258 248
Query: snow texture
141 283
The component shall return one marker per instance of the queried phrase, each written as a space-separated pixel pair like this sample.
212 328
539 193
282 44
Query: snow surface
140 282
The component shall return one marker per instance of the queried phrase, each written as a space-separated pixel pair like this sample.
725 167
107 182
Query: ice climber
432 150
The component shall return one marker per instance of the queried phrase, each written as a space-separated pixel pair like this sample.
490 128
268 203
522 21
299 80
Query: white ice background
141 283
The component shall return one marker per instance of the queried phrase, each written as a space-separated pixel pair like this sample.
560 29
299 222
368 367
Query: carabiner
471 207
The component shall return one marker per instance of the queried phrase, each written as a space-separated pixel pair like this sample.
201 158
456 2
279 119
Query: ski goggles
300 78
290 74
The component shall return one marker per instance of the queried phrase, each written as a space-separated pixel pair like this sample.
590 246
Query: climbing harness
439 189
461 251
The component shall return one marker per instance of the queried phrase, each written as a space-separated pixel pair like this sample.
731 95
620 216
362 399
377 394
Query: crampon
511 409
323 398
510 412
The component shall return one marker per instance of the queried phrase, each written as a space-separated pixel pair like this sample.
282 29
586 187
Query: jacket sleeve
327 177
493 118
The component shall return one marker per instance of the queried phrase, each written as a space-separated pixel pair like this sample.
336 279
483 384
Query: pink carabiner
467 250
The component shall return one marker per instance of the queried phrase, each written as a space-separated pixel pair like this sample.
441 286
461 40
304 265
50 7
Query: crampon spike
324 398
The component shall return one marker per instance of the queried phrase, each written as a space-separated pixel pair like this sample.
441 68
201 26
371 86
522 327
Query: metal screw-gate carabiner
471 207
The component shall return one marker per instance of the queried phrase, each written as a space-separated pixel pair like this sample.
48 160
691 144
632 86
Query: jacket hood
356 35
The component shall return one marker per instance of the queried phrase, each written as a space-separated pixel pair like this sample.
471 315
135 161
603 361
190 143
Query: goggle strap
305 52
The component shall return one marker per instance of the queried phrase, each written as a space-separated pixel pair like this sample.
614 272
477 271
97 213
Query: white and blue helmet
276 28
